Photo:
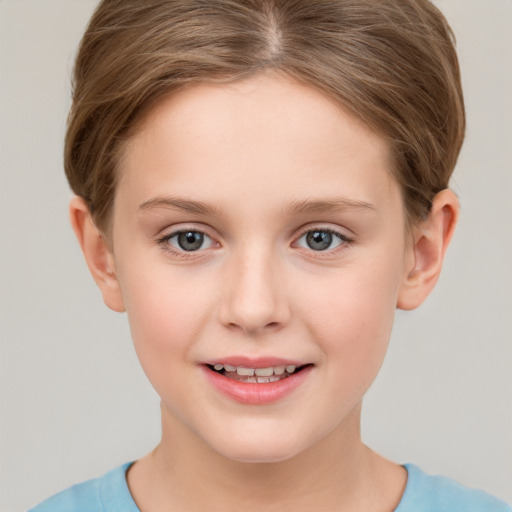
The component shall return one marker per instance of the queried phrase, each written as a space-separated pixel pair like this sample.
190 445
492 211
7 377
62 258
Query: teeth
259 372
245 371
264 380
264 372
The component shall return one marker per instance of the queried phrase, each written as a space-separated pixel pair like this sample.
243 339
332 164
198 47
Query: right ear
98 256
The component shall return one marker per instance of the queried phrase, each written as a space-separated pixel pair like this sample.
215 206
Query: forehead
267 136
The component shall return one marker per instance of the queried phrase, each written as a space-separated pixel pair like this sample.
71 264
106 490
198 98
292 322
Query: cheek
351 318
167 313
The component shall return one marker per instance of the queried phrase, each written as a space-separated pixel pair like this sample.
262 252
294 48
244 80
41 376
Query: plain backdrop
74 401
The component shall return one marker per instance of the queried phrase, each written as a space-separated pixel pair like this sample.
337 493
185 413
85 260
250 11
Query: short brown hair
391 63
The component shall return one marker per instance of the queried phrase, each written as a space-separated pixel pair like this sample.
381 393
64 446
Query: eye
321 240
188 240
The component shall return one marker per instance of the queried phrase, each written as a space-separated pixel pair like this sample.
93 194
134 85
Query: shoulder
104 494
433 493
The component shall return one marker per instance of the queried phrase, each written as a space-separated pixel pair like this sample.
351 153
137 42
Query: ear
98 256
426 252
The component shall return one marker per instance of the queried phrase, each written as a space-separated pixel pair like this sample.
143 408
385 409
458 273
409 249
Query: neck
184 473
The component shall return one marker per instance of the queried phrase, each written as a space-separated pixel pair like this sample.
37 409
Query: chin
262 448
266 454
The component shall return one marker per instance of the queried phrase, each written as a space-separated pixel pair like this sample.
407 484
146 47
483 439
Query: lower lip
256 394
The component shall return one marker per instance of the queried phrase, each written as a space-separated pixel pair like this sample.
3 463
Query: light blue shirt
423 493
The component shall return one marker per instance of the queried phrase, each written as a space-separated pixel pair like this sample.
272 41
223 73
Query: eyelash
166 246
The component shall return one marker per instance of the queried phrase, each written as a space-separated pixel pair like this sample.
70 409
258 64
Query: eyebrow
176 203
328 205
294 208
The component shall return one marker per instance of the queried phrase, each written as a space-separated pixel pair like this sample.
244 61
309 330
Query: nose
254 295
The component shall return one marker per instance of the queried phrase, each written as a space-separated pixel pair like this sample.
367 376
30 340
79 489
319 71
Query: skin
252 153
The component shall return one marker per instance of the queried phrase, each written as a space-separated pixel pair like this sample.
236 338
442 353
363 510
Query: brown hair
392 63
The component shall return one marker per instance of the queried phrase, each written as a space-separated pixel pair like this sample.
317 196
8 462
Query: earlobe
97 254
431 239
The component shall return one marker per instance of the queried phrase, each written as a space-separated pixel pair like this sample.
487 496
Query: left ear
98 256
426 253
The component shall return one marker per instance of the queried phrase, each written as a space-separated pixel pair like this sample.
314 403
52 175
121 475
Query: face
257 228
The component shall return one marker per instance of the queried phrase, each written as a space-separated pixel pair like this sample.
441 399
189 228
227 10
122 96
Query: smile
255 384
256 375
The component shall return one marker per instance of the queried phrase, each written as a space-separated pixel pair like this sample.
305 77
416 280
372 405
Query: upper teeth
260 372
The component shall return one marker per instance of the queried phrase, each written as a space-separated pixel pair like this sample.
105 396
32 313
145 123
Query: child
260 184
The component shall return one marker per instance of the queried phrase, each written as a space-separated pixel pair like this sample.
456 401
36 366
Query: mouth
257 382
249 375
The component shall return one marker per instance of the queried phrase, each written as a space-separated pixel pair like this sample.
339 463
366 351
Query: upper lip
254 362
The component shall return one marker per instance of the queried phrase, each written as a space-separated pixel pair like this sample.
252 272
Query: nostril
253 328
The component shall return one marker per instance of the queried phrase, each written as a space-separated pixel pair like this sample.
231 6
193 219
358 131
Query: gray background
74 402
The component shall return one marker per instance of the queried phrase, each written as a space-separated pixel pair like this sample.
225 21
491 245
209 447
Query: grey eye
189 240
320 240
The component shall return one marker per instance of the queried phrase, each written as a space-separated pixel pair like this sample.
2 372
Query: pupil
190 241
319 240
